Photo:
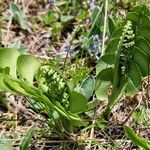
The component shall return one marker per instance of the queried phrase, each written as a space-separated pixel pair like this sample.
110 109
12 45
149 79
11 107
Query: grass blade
25 143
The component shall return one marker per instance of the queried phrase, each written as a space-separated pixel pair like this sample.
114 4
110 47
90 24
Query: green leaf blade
136 139
143 44
27 66
111 25
142 60
25 143
87 87
134 74
96 22
8 58
78 102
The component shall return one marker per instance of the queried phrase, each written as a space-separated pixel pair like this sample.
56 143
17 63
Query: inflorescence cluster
128 42
54 85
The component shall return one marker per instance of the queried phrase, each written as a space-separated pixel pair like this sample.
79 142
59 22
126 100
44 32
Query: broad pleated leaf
134 74
141 10
27 66
111 25
134 17
92 104
134 81
87 87
138 10
8 58
141 59
106 74
6 146
15 10
145 21
143 45
117 33
78 102
103 81
18 15
105 61
145 33
112 46
101 89
130 88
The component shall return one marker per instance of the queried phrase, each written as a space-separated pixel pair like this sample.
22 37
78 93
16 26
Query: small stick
91 136
131 112
105 26
88 147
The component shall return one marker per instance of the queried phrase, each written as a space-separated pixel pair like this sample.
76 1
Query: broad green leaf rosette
23 74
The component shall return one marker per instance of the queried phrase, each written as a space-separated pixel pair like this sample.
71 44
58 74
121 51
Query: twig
91 136
88 147
105 26
42 147
131 112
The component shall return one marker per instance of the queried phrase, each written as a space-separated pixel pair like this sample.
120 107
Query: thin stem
69 43
116 65
139 100
105 26
91 132
64 65
116 78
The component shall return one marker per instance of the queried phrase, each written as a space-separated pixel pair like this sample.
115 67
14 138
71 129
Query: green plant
141 116
126 59
18 16
136 139
52 92
66 97
25 142
95 30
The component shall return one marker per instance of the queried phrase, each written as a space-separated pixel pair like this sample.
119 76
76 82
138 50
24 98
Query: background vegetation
74 74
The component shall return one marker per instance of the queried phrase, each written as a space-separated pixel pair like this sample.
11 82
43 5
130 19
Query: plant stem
116 78
69 43
105 26
116 65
